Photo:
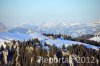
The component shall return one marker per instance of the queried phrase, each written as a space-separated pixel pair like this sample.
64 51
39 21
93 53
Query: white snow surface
95 39
6 36
19 36
59 43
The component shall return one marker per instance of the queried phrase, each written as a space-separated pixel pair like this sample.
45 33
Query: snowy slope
19 36
14 36
95 39
5 36
59 43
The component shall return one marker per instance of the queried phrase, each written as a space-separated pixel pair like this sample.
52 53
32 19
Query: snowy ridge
19 36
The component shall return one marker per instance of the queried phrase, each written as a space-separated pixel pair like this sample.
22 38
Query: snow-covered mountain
72 29
2 28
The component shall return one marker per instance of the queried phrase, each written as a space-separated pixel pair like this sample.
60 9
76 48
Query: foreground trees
30 53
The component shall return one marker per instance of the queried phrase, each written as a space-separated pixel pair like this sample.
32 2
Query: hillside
58 42
33 47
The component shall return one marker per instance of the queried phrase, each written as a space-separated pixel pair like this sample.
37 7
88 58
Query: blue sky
15 12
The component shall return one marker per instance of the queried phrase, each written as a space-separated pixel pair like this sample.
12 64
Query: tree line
66 37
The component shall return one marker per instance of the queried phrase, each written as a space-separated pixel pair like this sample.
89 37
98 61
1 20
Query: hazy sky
15 12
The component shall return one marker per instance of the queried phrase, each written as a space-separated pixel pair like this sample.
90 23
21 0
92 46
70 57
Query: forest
27 53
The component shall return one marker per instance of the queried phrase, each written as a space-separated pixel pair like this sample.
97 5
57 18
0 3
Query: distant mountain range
72 29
